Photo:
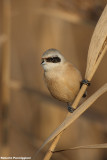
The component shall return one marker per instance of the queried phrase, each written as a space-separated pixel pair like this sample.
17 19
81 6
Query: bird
62 78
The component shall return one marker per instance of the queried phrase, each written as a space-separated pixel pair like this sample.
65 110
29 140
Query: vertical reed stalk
6 74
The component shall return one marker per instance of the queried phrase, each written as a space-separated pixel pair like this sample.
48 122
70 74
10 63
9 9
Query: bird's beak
43 62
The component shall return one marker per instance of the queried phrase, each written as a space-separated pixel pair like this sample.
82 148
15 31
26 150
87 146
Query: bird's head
51 59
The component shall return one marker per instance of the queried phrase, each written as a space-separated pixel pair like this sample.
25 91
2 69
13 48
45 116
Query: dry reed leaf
97 50
94 146
97 44
70 119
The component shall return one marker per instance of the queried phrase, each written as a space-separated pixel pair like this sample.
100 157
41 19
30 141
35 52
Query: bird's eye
56 59
53 59
49 59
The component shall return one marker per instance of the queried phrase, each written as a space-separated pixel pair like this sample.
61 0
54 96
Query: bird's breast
58 86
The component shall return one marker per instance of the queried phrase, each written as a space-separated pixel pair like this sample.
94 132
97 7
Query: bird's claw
86 82
71 109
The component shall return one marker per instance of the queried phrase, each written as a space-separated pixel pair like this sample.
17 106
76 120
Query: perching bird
62 78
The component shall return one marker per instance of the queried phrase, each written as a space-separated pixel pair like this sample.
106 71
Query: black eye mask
53 59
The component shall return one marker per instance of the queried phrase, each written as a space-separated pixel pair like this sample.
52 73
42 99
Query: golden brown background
28 113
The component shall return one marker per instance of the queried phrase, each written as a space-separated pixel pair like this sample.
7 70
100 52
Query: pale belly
63 82
61 92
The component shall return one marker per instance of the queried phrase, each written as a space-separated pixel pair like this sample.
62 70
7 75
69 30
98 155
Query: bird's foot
85 94
86 82
70 109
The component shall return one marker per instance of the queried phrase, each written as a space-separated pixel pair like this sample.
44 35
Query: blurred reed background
28 113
